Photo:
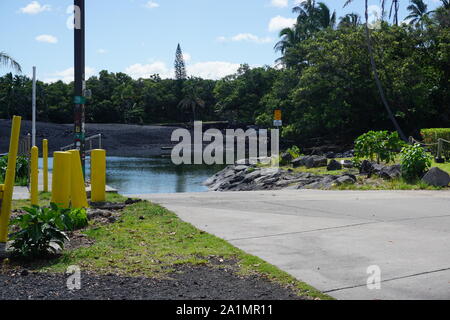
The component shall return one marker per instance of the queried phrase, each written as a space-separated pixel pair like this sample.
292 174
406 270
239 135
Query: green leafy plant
379 145
39 228
22 168
415 162
294 151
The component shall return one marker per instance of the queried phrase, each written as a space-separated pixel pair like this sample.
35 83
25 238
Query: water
153 175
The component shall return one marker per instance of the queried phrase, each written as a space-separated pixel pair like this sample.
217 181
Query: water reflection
154 175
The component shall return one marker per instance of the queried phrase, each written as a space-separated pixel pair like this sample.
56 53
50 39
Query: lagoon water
153 175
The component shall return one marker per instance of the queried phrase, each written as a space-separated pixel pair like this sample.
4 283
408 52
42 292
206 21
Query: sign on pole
278 118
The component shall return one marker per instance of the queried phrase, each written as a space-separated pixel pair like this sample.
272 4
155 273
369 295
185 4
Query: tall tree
180 66
6 60
375 71
418 11
349 20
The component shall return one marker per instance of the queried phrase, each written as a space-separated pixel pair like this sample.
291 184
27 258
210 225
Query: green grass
151 241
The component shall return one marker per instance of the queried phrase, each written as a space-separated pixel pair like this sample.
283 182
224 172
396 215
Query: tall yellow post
45 163
78 195
98 175
10 178
34 172
61 179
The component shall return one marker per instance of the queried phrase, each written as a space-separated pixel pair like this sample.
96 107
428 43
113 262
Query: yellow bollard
61 179
45 163
98 175
34 172
78 189
10 178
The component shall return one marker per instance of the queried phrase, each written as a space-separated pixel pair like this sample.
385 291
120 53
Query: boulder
286 158
346 179
348 164
316 162
334 165
299 162
390 172
366 167
437 177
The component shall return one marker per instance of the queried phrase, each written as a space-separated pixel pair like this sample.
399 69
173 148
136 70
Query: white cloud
152 5
207 70
68 75
35 7
212 69
279 3
138 70
277 23
102 51
245 37
187 56
47 38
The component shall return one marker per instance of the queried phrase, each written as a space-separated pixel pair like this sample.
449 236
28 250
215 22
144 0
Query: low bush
22 169
415 162
42 226
379 145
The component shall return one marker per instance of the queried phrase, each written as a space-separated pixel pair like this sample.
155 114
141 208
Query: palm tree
349 20
288 39
6 60
375 71
393 12
191 101
418 11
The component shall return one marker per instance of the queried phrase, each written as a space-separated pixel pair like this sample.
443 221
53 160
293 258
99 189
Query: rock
348 164
391 172
299 162
330 155
334 165
286 158
346 179
437 177
240 168
316 162
251 176
366 167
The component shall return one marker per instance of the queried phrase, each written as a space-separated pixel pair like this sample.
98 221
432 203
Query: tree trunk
377 78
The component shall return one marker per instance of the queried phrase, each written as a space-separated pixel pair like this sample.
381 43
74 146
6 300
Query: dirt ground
189 283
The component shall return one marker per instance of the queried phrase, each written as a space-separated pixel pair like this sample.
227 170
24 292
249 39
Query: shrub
381 145
22 168
295 152
41 226
431 136
415 162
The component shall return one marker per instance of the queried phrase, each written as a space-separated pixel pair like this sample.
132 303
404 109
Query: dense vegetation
324 82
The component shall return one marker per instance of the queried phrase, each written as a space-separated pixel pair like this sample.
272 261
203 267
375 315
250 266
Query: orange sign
278 115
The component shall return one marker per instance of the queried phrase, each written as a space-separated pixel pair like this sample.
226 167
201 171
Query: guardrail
88 141
439 144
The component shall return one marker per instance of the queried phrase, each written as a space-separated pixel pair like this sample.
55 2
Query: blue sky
139 37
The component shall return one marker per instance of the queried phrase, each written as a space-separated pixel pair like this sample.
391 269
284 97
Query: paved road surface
329 238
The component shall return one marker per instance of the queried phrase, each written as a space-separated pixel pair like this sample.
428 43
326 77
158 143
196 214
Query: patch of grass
151 241
381 184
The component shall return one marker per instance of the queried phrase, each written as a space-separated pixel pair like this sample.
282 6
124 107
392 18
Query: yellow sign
278 115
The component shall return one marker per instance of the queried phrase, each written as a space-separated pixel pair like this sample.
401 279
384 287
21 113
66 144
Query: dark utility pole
80 100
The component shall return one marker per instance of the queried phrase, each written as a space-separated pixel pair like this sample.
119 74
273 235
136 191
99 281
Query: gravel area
196 283
119 139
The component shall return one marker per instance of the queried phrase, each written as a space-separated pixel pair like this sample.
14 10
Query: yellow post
78 189
98 175
34 172
61 179
10 178
45 163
